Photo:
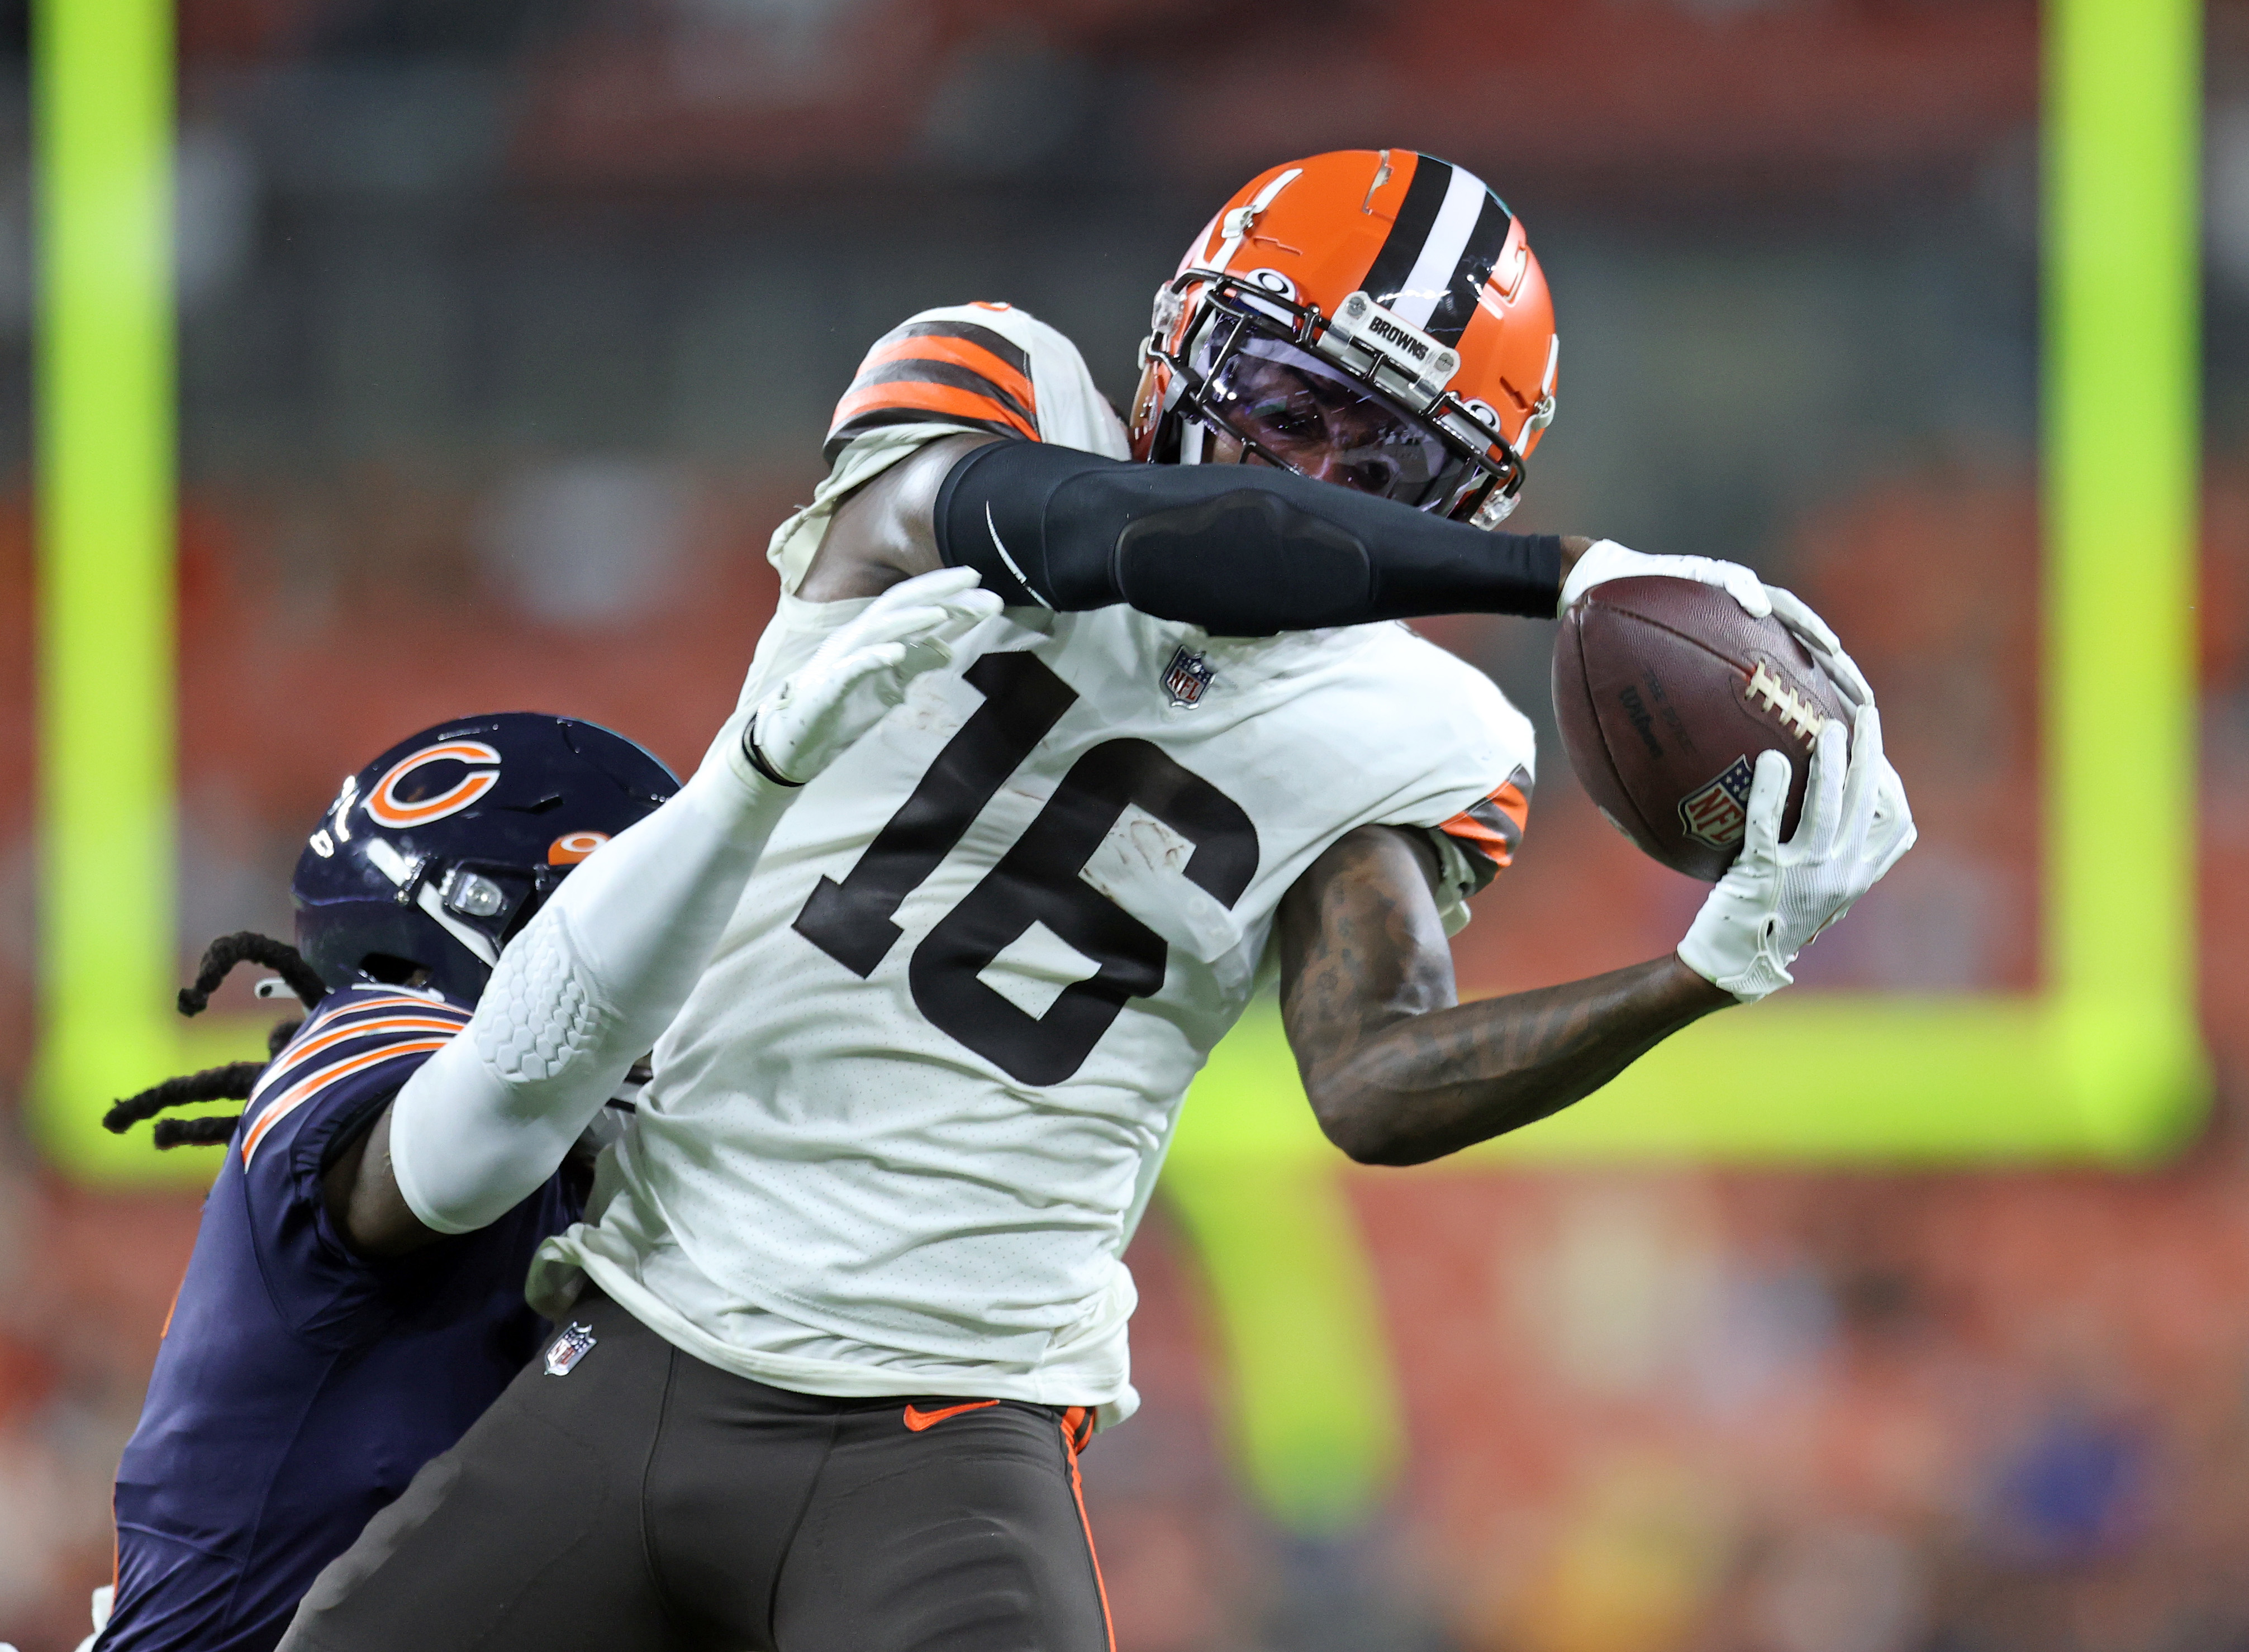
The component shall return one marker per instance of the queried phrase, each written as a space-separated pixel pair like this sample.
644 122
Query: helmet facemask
1302 394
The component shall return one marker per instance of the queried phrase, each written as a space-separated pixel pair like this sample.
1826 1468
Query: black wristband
757 758
1239 550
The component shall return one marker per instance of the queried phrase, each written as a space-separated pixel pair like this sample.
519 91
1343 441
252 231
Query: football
1666 691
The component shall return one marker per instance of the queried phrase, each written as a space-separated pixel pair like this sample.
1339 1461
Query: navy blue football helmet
433 856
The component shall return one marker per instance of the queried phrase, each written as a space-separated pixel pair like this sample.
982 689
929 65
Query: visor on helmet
1294 408
1268 373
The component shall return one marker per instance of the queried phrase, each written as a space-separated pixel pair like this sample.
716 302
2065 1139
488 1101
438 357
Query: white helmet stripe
1432 274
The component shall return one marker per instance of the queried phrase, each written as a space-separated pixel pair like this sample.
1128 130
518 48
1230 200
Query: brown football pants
648 1502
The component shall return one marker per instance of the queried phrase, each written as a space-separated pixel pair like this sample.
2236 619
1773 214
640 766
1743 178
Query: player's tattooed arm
1398 1071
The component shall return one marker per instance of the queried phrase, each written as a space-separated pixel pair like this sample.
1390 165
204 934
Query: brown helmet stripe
1486 242
1409 230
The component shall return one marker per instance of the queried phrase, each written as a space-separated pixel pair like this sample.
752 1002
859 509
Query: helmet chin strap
1192 439
404 873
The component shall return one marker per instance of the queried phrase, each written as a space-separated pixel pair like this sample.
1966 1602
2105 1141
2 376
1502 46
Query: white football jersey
901 1132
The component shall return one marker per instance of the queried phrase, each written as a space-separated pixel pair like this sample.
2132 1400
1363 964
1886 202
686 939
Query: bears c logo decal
387 808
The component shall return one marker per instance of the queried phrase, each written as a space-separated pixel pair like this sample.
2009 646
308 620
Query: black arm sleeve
1239 550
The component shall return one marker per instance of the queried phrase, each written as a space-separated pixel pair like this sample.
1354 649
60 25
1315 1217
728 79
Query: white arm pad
579 996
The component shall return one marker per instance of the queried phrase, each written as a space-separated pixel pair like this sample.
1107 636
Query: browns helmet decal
1442 247
1389 299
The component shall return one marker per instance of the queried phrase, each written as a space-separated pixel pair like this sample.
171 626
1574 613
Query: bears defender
310 1363
830 1352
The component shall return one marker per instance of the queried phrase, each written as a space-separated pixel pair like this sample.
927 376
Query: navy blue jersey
299 1386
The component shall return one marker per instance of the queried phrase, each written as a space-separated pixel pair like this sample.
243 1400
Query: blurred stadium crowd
509 329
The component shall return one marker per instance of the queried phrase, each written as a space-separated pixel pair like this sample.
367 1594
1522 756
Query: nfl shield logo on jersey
569 1348
1717 813
1187 677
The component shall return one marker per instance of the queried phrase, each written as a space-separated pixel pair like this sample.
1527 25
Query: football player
309 1365
829 1354
324 1344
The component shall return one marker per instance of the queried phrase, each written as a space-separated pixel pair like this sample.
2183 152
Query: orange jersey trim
172 1306
297 1052
408 1001
1075 1425
974 358
299 1094
939 399
1490 840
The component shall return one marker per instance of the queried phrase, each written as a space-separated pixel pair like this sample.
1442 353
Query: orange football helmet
1373 318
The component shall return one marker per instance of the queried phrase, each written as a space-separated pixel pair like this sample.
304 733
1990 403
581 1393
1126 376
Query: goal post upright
2106 1062
104 423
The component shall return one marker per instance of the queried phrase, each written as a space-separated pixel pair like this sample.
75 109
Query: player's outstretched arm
1239 549
1398 1072
592 981
1242 550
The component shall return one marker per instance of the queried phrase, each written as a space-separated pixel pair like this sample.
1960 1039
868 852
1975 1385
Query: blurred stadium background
509 329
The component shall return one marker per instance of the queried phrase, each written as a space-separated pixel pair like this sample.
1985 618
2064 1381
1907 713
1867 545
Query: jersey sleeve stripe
937 401
302 1050
1489 830
940 372
296 1097
1001 378
842 435
995 344
921 371
384 1003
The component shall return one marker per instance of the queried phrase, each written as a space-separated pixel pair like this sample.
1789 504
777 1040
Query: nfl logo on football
1718 813
1187 677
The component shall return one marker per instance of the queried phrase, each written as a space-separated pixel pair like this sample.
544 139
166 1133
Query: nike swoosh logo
1014 566
918 1419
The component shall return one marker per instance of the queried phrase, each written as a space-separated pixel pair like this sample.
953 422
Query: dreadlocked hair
234 1081
215 1131
248 946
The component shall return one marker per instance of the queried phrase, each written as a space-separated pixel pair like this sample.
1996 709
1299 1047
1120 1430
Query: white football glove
1821 642
1605 560
1776 897
856 676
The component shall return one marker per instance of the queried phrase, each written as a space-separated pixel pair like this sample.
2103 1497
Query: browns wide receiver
831 1352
